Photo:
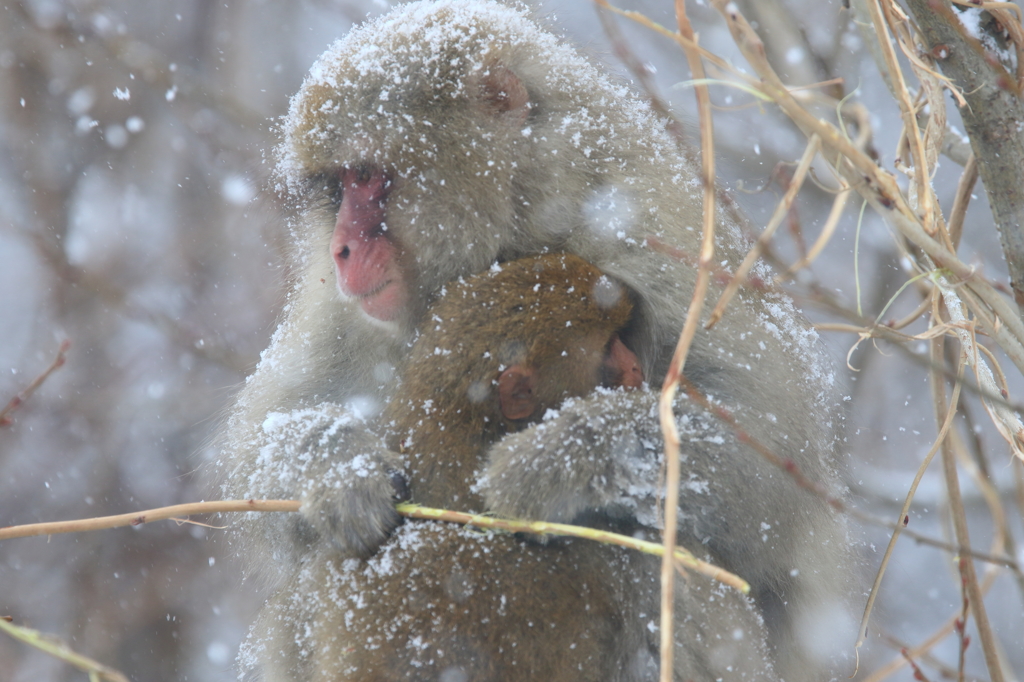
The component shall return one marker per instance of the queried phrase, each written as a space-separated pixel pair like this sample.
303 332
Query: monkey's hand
347 480
595 454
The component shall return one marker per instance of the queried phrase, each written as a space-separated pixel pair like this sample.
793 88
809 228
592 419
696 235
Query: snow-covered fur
588 169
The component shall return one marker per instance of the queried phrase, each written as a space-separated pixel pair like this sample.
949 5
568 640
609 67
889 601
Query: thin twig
940 634
1006 421
24 394
874 184
873 329
413 511
781 210
1004 559
679 556
963 197
675 370
961 623
904 518
918 673
901 646
643 76
956 504
921 176
838 206
58 649
178 511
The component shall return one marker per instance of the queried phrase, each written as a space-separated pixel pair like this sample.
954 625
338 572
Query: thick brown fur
553 314
440 602
492 141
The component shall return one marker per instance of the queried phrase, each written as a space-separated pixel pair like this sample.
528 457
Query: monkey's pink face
366 257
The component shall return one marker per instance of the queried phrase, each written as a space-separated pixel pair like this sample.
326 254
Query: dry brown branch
907 112
58 649
976 464
881 190
904 518
963 197
987 490
972 302
684 41
940 634
951 625
838 206
1000 560
904 649
872 330
678 556
1006 421
918 673
24 394
956 504
674 374
781 210
178 511
991 322
776 20
878 187
913 316
1002 537
643 77
992 119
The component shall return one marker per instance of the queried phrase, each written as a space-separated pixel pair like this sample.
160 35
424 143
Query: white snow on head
431 49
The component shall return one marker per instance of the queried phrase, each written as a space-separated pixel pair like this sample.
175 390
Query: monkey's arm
603 454
590 456
328 458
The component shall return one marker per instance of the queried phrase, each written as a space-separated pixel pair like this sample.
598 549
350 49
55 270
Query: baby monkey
496 352
442 602
445 603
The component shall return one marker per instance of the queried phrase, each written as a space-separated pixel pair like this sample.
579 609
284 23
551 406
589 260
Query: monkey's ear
515 392
502 92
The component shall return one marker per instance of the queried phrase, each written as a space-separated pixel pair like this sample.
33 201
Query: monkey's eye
336 192
331 189
324 191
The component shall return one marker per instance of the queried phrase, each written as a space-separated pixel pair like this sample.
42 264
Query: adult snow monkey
444 137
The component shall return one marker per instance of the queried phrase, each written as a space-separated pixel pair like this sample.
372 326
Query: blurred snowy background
134 222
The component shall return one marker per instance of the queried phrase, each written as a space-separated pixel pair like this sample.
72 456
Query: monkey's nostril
344 253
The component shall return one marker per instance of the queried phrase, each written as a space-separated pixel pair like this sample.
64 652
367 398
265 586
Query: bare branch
972 588
679 556
992 118
24 394
58 649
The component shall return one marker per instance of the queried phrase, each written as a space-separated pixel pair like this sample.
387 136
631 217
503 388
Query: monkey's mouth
385 302
376 290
